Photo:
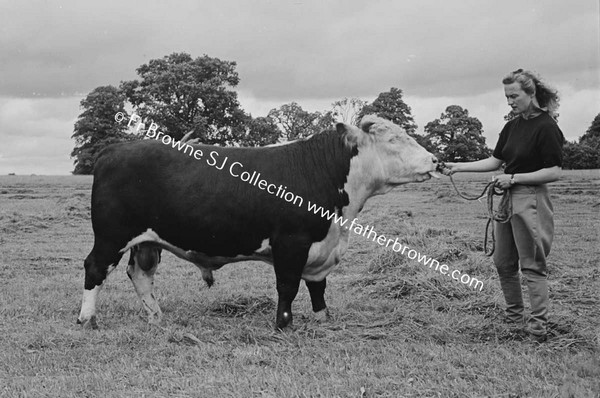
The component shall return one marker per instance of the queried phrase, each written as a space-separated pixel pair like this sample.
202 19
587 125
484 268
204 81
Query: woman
531 147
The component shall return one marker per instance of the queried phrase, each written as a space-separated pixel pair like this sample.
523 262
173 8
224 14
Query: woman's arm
489 164
541 176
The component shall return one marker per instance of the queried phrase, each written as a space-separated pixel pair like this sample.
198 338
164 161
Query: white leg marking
143 282
323 315
87 316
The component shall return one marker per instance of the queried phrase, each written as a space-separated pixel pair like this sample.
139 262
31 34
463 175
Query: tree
180 94
294 122
261 131
96 126
390 105
593 132
577 156
457 137
348 110
584 154
323 121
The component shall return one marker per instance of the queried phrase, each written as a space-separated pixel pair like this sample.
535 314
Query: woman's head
524 89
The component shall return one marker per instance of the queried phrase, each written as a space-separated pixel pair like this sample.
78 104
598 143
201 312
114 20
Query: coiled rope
501 215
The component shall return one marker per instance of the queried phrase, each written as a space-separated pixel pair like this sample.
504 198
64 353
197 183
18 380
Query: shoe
512 320
537 336
536 333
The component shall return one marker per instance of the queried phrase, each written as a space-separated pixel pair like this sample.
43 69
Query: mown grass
398 328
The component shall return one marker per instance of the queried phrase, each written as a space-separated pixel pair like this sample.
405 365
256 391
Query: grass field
398 328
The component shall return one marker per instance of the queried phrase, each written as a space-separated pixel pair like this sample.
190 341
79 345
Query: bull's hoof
284 321
155 319
323 315
91 323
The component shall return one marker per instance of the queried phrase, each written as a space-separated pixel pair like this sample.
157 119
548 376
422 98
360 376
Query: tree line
182 94
584 153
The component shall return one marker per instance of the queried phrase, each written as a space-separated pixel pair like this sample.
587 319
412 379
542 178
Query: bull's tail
147 237
152 237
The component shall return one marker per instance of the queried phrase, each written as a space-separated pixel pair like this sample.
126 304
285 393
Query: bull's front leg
103 258
287 288
289 258
317 298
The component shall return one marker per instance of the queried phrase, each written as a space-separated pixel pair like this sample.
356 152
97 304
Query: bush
585 155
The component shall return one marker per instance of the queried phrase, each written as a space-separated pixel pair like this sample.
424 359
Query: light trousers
525 240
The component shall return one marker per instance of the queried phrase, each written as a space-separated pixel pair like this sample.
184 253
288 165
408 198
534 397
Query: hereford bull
147 197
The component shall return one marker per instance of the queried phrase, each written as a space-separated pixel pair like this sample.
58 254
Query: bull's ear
366 127
367 121
341 128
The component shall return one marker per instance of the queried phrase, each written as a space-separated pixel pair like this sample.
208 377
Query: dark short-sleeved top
528 145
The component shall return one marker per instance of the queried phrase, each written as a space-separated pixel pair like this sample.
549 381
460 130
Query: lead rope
502 215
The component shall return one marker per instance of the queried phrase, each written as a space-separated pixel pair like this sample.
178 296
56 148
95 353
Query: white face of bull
389 155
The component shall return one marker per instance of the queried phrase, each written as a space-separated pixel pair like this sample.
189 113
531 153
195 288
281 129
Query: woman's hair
531 83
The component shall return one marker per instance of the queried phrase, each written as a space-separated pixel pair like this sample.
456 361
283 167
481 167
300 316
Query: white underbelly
322 256
326 254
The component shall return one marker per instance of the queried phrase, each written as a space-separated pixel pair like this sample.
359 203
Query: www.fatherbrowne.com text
236 170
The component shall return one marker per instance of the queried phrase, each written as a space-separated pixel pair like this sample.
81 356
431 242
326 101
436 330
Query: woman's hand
449 168
502 181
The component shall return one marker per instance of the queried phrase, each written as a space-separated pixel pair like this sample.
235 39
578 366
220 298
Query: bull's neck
365 179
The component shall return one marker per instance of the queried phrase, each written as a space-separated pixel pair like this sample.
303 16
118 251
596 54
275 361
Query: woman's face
517 99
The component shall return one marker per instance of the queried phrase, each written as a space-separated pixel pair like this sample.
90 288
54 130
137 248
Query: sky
313 52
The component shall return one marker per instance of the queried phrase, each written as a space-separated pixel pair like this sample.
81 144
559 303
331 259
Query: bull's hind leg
101 261
141 269
317 298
